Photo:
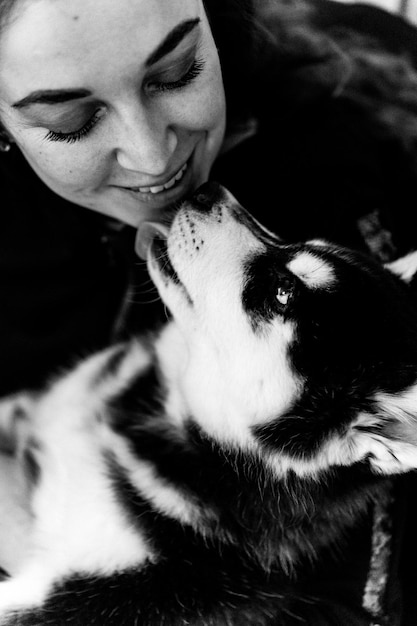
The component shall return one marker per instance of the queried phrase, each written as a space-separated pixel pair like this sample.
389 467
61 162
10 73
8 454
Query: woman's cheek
204 109
65 166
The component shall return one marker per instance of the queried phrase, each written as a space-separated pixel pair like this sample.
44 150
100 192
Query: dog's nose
207 195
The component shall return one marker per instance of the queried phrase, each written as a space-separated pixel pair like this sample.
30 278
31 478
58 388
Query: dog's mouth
159 251
157 243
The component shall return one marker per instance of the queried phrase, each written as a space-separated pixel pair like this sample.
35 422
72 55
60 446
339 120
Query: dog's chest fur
129 482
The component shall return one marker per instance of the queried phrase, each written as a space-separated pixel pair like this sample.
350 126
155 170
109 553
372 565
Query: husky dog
189 478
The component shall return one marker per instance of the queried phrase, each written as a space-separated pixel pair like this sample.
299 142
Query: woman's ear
405 267
5 140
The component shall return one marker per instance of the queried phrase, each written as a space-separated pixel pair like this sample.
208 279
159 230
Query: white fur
386 455
15 518
244 383
78 524
312 270
405 267
142 475
402 406
231 378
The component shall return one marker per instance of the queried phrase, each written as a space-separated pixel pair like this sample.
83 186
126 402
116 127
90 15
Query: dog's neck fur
237 498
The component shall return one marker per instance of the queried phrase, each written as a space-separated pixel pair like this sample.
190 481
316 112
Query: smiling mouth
160 188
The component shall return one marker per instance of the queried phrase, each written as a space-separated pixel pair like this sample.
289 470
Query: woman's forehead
67 40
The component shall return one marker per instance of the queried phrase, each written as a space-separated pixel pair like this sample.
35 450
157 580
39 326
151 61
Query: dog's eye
284 292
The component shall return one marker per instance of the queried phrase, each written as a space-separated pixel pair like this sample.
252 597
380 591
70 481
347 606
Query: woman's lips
158 188
155 190
161 197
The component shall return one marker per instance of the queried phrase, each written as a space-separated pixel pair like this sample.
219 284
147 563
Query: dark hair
257 40
236 32
283 53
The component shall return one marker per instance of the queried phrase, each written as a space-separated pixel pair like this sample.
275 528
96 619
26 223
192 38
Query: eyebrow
59 96
172 40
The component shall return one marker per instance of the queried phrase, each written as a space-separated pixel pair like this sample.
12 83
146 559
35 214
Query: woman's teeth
168 185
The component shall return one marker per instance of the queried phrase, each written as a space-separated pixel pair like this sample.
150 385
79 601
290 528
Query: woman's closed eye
169 80
177 79
76 135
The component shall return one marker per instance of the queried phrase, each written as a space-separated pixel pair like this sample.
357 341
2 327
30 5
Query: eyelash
191 74
76 135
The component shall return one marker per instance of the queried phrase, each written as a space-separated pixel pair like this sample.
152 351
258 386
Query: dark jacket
334 156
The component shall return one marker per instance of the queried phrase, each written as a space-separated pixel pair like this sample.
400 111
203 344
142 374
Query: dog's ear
404 267
388 436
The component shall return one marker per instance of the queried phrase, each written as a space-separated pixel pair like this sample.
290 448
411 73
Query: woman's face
118 106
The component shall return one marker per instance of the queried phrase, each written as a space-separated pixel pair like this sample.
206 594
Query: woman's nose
146 144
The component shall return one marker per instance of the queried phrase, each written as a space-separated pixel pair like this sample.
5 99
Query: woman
124 108
125 129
